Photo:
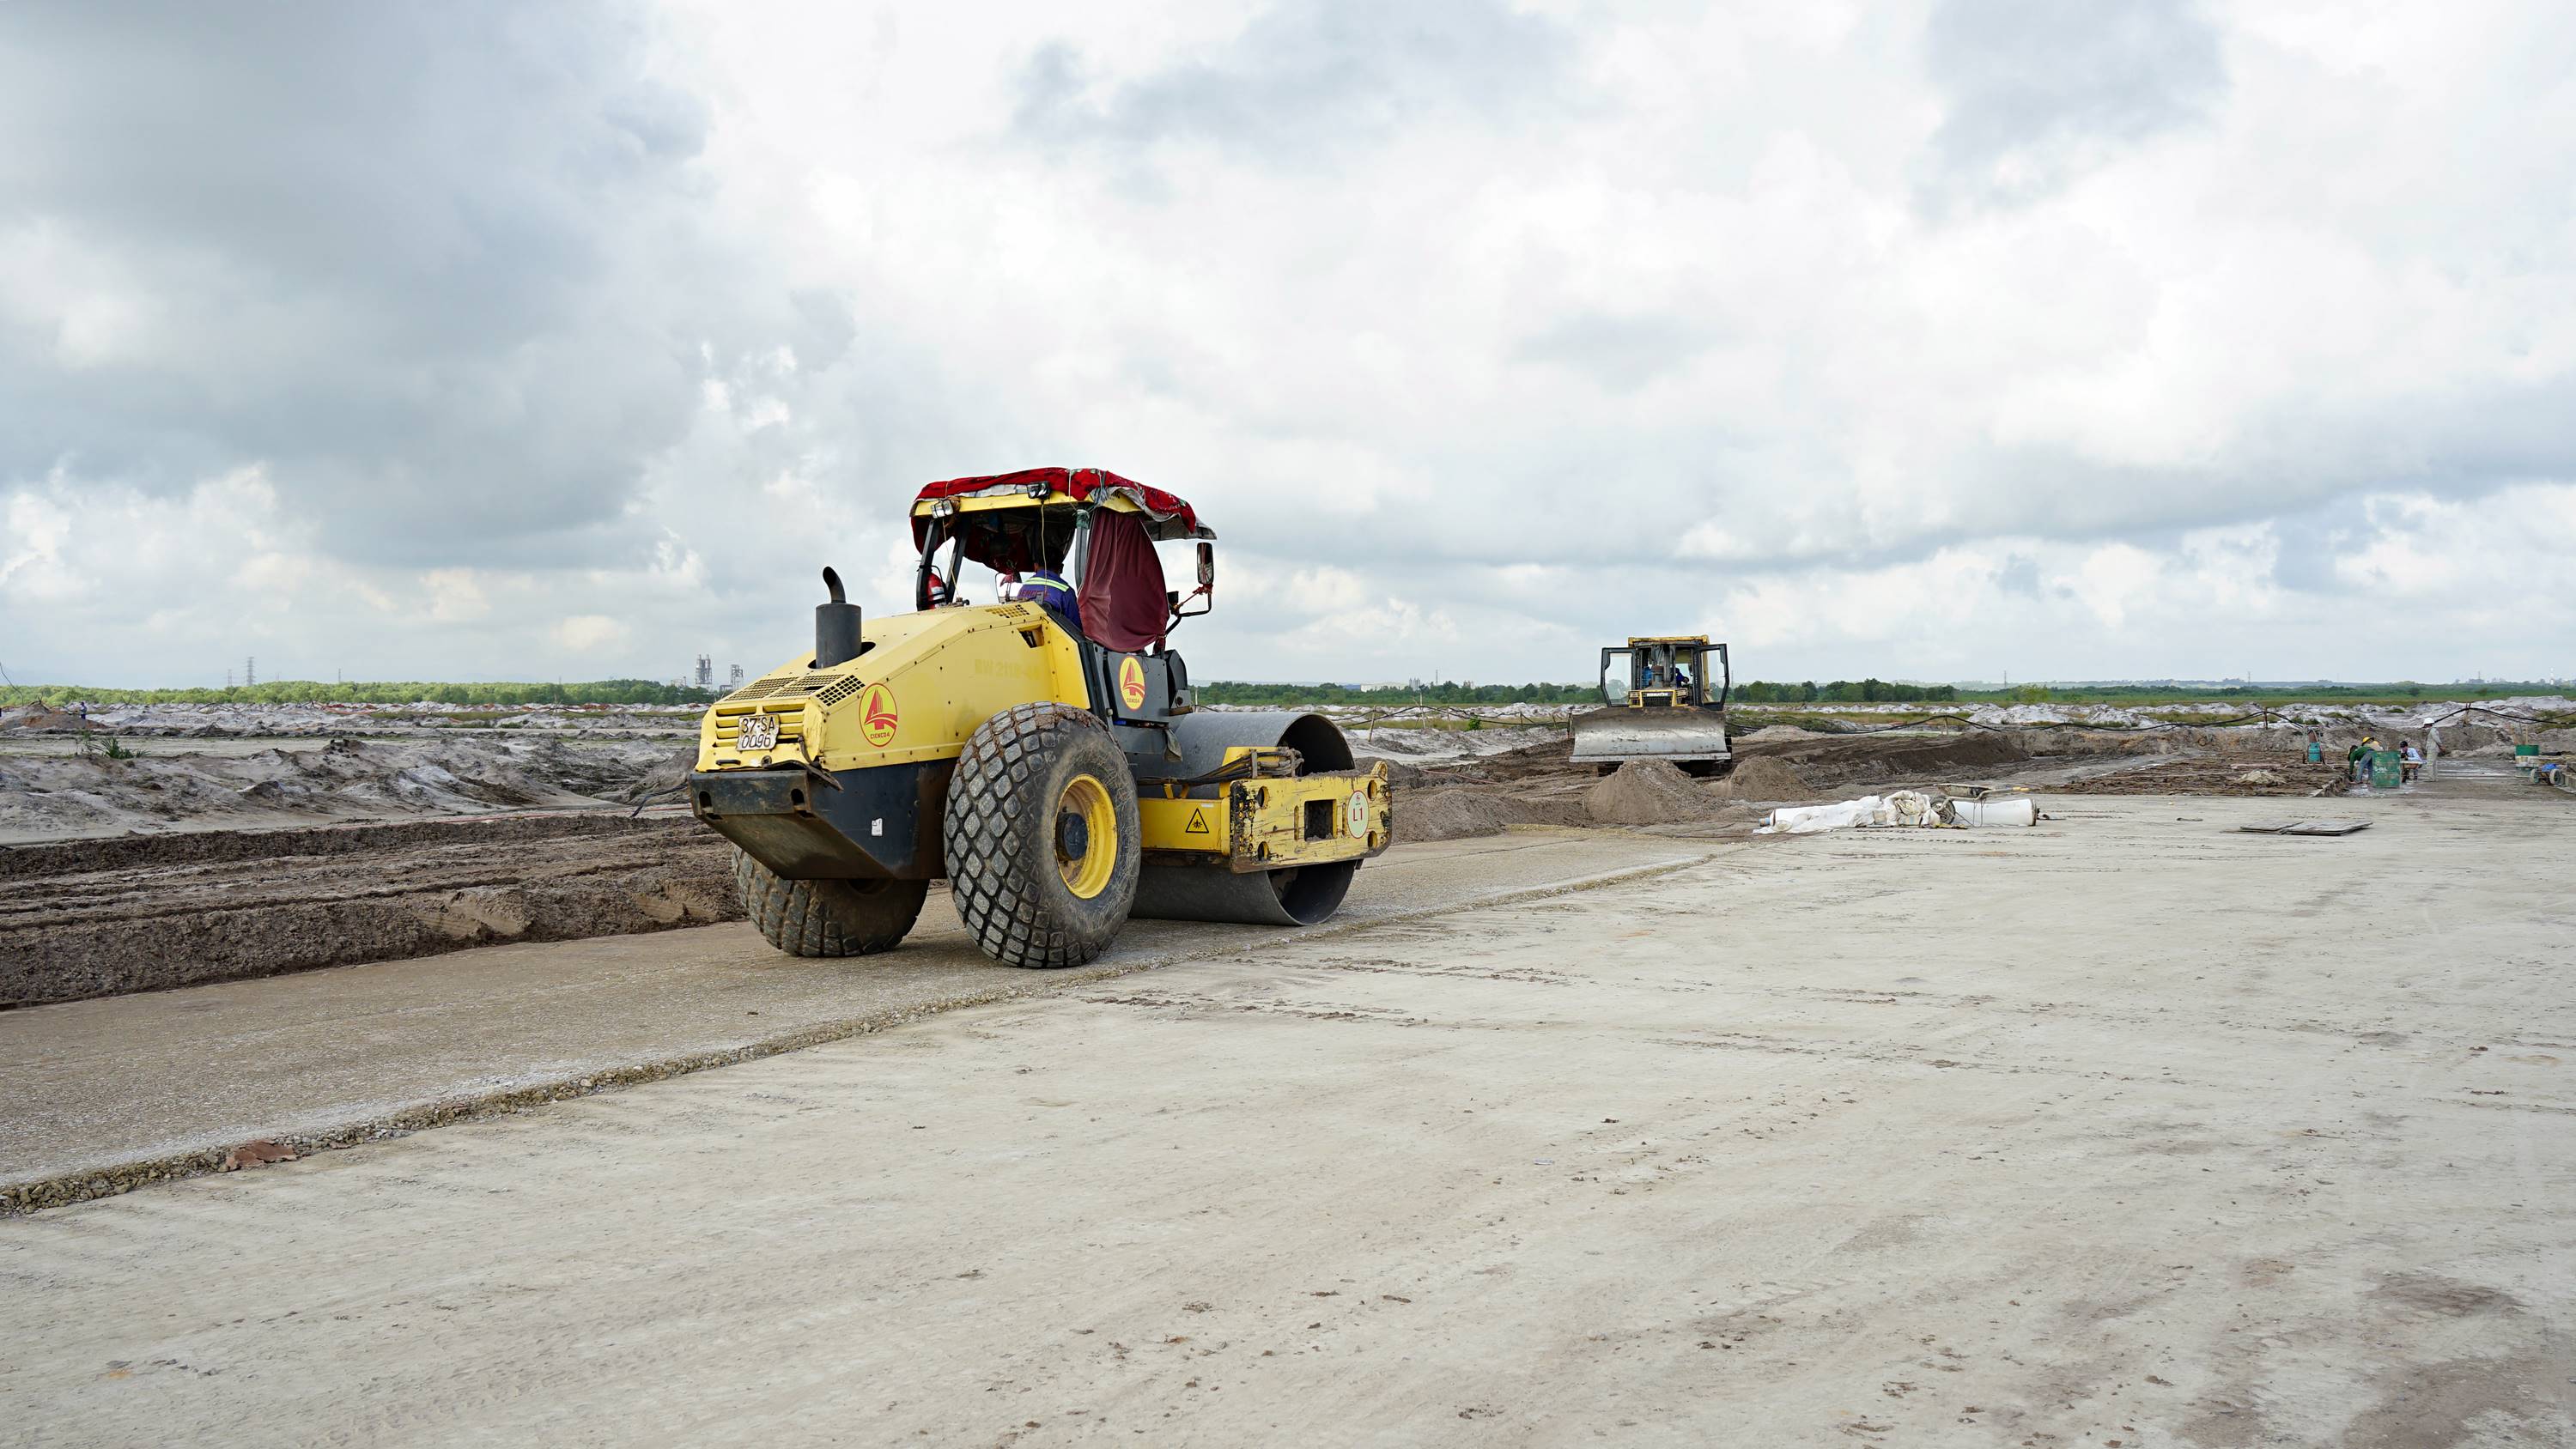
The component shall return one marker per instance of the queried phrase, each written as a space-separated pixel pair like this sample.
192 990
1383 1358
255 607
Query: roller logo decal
1131 682
877 718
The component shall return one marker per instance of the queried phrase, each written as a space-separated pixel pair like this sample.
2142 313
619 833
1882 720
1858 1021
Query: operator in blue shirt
1039 586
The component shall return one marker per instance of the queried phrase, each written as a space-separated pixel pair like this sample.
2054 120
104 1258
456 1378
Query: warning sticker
1198 823
1131 682
876 715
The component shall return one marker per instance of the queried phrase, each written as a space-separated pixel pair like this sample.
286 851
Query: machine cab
1084 539
1666 672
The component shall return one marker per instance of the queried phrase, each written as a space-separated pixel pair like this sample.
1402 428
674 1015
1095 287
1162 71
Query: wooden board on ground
2305 827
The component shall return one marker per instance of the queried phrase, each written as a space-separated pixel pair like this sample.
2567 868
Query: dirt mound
1889 758
1646 792
1398 772
234 904
210 847
665 779
1760 778
2213 777
1459 811
40 716
70 794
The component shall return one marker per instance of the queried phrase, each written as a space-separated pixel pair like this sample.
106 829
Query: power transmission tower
250 671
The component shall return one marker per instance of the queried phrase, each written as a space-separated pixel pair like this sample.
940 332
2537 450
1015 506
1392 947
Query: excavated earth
1537 784
85 918
254 860
48 789
2214 777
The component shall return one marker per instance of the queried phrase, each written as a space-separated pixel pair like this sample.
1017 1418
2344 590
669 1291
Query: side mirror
1207 564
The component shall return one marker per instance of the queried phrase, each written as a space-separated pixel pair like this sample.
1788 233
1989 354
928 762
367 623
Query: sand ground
2126 1129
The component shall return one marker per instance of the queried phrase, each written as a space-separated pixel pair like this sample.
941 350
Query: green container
2526 749
2387 769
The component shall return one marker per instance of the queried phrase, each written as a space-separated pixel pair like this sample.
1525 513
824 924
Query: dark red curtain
1122 585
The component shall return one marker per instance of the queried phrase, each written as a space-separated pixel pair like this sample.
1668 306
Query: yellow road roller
1044 752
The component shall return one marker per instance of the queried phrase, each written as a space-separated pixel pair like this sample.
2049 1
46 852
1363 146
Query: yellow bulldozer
1044 753
1665 699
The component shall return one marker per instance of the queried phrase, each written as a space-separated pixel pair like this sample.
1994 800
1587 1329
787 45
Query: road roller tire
827 917
1041 836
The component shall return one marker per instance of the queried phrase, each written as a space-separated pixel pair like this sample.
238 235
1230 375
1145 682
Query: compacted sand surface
2127 1128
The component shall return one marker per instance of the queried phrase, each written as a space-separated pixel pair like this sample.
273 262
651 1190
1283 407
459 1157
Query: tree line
1846 691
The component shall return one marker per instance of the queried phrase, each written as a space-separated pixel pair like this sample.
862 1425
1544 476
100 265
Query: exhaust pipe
836 626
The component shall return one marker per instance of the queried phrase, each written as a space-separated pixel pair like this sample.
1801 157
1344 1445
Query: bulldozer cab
1666 672
1664 698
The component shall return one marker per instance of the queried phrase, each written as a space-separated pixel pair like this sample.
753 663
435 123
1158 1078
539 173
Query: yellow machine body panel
921 685
1271 822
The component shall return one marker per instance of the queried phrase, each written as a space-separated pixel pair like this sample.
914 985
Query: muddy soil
2213 777
61 795
1537 784
98 918
1456 812
1886 759
1762 778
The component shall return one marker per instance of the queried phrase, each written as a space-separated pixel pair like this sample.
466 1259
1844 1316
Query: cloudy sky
1944 340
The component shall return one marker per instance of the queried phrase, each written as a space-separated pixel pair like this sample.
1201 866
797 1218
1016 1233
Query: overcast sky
1936 341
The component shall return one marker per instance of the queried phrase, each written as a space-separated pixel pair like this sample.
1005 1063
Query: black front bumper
880 823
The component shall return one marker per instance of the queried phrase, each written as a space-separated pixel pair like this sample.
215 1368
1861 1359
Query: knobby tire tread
994 865
826 917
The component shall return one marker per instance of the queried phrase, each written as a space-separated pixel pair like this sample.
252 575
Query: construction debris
1910 808
1904 808
2305 827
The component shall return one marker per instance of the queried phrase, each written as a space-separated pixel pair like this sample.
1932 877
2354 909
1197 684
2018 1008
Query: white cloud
590 633
2134 339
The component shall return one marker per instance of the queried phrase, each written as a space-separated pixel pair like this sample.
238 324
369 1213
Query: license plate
759 732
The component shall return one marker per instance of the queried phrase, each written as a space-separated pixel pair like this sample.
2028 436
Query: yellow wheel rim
1086 836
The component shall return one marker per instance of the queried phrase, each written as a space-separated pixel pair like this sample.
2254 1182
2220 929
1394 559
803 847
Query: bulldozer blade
1606 736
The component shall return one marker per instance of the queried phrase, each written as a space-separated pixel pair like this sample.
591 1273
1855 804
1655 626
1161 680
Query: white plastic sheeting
1997 810
1900 808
